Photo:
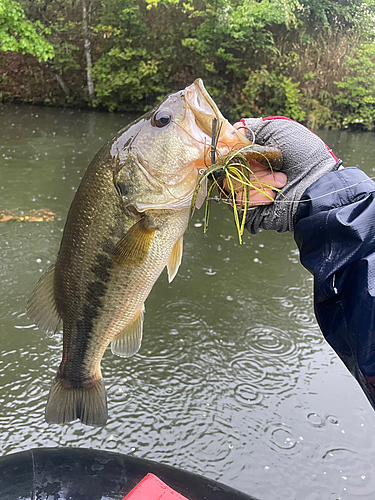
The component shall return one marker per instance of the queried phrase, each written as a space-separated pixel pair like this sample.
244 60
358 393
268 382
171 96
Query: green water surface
233 379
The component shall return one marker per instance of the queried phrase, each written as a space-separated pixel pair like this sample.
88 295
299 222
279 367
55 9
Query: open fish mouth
203 106
194 113
204 109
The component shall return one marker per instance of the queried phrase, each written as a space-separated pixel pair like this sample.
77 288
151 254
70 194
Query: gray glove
306 159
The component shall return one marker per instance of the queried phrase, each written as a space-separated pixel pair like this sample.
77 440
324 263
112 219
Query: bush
356 95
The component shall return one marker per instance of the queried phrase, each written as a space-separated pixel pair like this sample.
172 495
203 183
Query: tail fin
65 404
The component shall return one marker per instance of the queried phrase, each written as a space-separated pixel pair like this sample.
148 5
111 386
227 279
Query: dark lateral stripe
83 337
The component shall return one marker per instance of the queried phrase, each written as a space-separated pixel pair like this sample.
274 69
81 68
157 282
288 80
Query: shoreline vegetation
313 62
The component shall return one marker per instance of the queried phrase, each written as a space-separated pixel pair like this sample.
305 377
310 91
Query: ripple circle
271 341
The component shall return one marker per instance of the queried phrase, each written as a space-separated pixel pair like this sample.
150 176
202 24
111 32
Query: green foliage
18 34
268 94
127 69
292 99
127 75
356 96
342 14
321 111
67 50
313 61
148 48
155 3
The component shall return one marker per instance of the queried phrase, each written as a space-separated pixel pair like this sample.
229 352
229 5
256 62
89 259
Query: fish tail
66 403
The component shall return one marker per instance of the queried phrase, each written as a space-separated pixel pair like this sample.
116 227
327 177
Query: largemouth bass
124 226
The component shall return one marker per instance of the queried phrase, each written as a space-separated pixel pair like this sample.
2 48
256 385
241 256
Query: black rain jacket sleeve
335 233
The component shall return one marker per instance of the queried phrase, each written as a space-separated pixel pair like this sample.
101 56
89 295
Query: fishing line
217 199
255 205
249 130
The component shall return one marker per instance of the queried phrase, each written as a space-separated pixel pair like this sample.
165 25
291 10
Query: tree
87 46
311 60
18 34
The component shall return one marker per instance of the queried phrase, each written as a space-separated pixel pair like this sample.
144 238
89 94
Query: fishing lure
234 168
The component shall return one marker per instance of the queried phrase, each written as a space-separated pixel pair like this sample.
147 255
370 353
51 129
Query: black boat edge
89 474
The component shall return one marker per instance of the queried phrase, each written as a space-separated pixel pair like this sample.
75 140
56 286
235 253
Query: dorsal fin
41 306
128 342
132 249
175 259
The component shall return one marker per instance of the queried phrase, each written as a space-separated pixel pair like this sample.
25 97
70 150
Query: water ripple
318 421
247 395
281 437
271 341
246 366
223 384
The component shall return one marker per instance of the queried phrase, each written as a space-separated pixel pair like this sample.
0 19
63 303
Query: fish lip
205 110
202 90
203 107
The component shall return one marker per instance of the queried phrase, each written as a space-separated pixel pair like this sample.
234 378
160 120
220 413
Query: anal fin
41 306
175 259
128 342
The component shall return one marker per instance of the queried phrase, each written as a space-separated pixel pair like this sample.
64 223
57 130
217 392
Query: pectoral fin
175 259
41 306
128 342
132 250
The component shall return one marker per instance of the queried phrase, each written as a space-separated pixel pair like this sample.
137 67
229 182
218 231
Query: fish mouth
203 106
204 109
194 130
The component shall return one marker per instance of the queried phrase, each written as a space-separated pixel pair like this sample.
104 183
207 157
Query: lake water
233 380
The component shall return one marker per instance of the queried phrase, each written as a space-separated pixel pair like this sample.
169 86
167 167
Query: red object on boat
153 488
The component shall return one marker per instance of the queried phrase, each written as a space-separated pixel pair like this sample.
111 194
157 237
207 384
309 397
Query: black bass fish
125 225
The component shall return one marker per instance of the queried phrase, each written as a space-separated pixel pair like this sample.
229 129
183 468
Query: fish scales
91 276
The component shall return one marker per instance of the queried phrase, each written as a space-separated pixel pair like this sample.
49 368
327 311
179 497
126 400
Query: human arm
332 215
335 232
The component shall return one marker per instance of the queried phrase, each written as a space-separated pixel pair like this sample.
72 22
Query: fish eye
162 118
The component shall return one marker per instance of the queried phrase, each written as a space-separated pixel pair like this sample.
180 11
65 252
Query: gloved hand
306 159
